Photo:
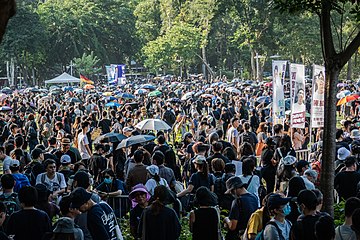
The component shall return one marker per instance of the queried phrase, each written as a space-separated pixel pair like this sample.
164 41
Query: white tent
63 79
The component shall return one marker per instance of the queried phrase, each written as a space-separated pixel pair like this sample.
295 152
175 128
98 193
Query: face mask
287 209
107 180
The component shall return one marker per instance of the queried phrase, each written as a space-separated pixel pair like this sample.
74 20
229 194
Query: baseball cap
199 159
276 200
14 163
65 159
234 183
79 197
311 173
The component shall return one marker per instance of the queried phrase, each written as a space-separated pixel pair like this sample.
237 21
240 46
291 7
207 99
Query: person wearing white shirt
83 142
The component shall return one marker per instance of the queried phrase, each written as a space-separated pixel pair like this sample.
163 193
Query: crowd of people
66 153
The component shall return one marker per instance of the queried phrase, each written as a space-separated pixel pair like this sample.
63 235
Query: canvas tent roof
63 79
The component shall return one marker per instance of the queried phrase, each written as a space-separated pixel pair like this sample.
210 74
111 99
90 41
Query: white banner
278 69
318 95
297 95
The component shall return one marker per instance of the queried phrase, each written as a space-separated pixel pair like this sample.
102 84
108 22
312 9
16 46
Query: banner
297 95
116 74
318 95
278 69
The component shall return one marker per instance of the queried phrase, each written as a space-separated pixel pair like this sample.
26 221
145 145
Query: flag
85 80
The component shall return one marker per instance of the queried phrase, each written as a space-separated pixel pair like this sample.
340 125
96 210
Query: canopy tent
63 79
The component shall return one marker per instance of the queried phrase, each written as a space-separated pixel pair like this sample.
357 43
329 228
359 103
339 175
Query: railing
302 154
120 204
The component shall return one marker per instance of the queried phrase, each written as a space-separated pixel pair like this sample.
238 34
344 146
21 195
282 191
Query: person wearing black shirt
304 227
138 195
101 220
28 222
104 123
161 145
217 147
346 182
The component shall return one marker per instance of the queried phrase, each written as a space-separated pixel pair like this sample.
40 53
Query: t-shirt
232 133
113 187
82 142
104 124
135 216
197 180
151 184
102 224
346 183
26 223
304 228
344 232
253 185
55 184
6 163
270 231
255 223
241 210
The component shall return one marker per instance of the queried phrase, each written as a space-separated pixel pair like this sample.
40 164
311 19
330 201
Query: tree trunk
253 66
349 70
329 144
203 53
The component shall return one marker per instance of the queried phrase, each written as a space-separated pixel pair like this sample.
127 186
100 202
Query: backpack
43 177
225 200
21 181
10 203
260 236
246 137
29 173
288 160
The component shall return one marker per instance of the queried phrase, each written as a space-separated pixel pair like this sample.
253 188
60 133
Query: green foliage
339 213
87 64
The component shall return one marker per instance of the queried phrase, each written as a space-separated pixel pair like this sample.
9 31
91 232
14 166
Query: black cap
308 198
276 200
79 197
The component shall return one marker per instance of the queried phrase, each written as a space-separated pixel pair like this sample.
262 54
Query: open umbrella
5 108
347 99
110 137
152 124
6 90
140 91
187 96
126 95
155 93
268 84
137 139
207 96
340 85
78 90
216 84
88 86
68 89
113 104
148 86
174 100
107 94
74 100
3 96
111 98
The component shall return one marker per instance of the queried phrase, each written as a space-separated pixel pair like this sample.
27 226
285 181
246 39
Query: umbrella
207 96
113 104
209 89
5 108
262 99
68 88
347 99
235 80
152 124
148 86
233 90
110 137
174 100
111 98
2 96
126 95
74 100
135 140
6 90
268 84
155 93
199 93
140 91
88 86
216 84
78 90
187 96
107 94
340 85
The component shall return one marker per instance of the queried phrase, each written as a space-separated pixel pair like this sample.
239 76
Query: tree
87 64
7 10
336 52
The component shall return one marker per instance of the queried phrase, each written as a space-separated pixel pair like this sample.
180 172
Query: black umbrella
135 140
74 100
110 137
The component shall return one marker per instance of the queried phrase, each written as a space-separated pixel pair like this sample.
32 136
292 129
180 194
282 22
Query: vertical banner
110 71
318 95
297 95
121 74
278 69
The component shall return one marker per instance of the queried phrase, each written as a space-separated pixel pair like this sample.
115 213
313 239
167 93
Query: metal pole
257 66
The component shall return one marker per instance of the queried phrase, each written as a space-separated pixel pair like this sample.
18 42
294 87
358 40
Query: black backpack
10 203
29 172
246 137
225 200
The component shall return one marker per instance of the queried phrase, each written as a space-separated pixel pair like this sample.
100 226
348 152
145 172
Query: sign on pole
278 69
318 94
297 95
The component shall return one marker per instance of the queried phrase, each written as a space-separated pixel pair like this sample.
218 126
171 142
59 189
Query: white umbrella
187 96
152 124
